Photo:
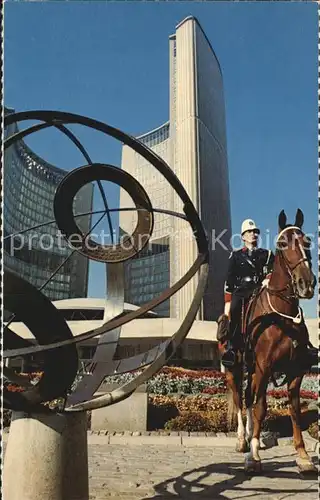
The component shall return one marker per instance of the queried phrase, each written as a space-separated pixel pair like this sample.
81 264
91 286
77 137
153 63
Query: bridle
291 284
286 267
287 263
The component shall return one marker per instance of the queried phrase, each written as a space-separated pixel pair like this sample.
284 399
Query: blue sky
110 61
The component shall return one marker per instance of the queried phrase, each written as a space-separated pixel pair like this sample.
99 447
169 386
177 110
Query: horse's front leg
250 395
234 380
303 460
242 443
253 460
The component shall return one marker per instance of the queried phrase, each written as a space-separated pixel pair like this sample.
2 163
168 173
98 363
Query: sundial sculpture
35 310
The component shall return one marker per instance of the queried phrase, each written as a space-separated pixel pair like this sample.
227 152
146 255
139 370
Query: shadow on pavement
185 487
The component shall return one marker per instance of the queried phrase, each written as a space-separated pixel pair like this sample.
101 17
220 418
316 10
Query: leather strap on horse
249 350
252 299
242 317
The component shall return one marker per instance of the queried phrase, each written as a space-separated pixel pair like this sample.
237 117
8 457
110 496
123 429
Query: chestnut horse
276 341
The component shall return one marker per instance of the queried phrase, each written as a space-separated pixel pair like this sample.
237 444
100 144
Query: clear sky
110 61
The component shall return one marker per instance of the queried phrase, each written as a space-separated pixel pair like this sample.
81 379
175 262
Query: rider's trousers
239 302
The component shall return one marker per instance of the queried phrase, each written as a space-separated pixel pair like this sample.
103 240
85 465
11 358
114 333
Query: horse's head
293 247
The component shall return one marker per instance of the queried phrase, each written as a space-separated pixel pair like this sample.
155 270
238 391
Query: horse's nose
304 288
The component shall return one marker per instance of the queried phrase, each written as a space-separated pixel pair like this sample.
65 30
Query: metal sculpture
54 338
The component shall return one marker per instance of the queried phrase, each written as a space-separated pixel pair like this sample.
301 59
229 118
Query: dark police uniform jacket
247 269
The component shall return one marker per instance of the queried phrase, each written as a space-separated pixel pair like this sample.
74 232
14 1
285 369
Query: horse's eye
282 244
306 242
307 248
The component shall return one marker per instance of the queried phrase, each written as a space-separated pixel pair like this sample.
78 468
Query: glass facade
151 139
29 188
147 276
213 171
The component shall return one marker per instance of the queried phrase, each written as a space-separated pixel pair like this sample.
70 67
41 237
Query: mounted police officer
249 269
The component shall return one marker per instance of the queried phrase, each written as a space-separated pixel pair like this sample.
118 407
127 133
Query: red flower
214 390
283 393
14 388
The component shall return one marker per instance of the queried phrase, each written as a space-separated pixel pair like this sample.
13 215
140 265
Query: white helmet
249 225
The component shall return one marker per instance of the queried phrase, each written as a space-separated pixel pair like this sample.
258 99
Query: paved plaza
146 471
164 467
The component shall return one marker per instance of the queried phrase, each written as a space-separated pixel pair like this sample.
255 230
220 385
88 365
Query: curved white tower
194 144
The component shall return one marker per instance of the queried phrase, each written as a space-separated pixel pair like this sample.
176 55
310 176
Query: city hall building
199 349
193 143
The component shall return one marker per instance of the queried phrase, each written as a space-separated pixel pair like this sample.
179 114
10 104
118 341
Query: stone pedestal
127 415
46 457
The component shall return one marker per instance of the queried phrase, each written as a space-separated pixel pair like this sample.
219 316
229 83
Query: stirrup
228 358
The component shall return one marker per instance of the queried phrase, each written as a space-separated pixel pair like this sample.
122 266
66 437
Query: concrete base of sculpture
127 415
46 457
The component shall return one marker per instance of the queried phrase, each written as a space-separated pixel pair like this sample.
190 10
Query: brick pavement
136 469
145 472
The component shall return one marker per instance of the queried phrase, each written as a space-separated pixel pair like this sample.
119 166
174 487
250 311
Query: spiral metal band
55 341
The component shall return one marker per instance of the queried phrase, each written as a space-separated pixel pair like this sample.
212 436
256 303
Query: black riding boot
223 335
228 359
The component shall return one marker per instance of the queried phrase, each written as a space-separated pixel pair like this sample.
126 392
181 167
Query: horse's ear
299 218
282 220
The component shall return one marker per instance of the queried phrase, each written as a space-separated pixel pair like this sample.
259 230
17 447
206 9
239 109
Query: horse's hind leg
303 460
253 460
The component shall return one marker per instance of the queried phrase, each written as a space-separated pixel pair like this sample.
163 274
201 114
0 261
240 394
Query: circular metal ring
63 203
38 313
156 161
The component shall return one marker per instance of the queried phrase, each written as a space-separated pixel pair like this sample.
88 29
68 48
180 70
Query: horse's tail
234 398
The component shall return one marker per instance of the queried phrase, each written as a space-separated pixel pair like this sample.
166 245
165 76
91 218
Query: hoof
305 466
242 446
252 466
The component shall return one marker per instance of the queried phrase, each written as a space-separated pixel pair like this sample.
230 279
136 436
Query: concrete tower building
194 145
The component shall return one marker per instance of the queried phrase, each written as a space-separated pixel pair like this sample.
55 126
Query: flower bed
195 400
171 380
32 377
210 414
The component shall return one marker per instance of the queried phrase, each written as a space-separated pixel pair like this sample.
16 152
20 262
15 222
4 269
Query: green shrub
190 422
209 414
